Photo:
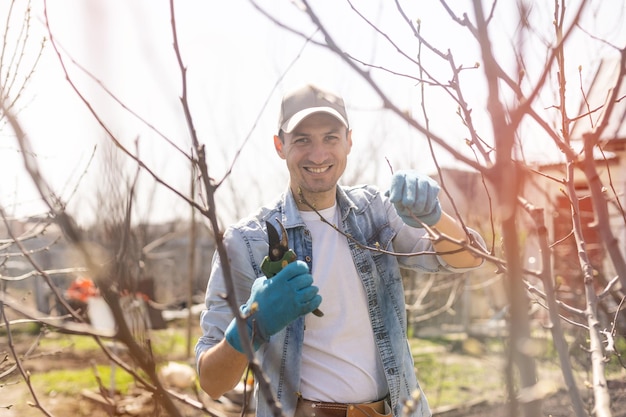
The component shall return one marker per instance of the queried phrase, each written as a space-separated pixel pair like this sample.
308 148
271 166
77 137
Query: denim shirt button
307 259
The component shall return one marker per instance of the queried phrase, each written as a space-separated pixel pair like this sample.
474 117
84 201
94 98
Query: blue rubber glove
415 195
278 301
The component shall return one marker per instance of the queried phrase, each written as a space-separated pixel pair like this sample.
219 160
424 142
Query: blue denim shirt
370 219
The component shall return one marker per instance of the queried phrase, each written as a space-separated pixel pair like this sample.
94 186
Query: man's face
316 152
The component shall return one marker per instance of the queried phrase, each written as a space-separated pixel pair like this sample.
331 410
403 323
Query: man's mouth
317 170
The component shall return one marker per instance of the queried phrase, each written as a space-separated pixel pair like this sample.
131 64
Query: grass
449 378
71 382
167 344
172 342
64 342
453 372
22 328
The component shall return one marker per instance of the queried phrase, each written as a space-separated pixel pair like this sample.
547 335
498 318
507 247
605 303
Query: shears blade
278 244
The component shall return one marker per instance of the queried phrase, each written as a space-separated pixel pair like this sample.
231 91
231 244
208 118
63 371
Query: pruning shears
279 254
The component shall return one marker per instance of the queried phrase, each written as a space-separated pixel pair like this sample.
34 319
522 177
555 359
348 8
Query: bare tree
515 90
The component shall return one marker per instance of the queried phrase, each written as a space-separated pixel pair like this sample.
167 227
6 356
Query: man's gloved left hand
415 195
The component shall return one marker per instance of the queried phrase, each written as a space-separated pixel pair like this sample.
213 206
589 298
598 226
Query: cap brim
295 120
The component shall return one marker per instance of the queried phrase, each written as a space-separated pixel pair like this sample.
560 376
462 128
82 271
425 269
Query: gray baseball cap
299 104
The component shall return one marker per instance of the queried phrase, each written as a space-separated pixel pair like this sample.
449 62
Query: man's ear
278 145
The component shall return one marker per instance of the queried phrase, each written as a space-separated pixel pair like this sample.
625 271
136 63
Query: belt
307 408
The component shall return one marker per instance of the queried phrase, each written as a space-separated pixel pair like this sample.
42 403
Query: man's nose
318 154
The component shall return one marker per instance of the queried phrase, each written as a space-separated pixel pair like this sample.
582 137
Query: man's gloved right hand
278 301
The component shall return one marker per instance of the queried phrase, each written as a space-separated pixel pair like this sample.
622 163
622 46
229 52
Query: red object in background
81 289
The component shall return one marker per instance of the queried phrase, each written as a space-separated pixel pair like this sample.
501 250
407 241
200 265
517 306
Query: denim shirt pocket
385 263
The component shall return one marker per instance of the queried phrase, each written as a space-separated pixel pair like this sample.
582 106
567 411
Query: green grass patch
167 344
66 341
71 382
615 365
26 327
171 343
449 379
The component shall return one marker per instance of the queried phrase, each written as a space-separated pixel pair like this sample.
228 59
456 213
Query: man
354 359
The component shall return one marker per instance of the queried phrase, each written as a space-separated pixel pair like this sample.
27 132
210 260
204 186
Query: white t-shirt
340 362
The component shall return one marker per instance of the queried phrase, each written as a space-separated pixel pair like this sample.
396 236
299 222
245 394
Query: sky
239 63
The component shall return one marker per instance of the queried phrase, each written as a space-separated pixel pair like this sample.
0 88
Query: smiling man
355 360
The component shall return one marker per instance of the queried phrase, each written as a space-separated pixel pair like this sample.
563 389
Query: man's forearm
220 369
463 259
